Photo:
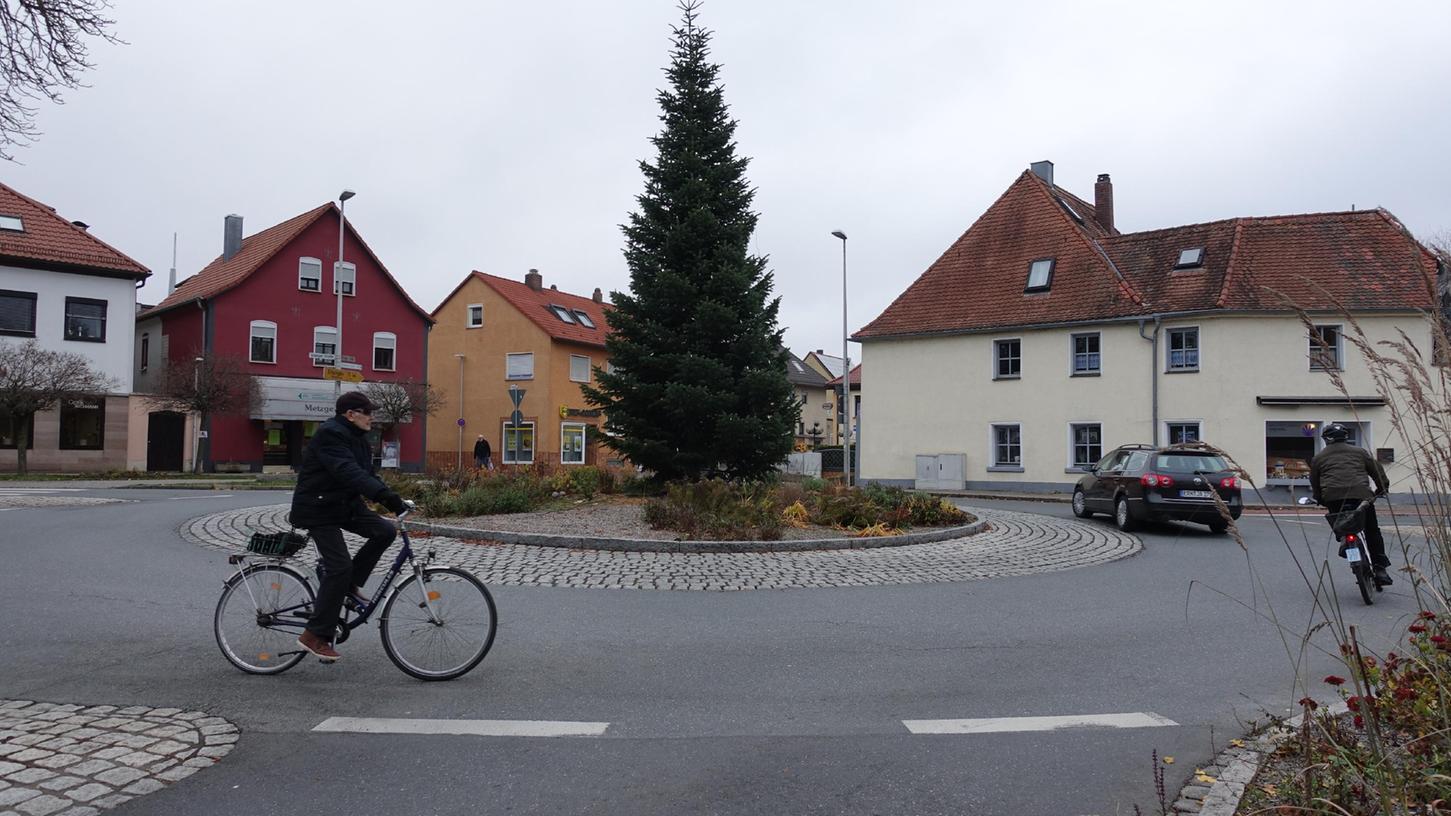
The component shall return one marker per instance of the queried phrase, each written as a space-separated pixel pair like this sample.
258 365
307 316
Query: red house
269 301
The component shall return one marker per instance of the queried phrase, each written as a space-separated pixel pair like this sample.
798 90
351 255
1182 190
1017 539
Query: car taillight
1231 482
1155 480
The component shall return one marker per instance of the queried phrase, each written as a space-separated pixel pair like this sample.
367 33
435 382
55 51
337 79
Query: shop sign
298 398
565 412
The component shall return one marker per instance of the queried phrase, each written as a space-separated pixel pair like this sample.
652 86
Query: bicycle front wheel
440 627
259 616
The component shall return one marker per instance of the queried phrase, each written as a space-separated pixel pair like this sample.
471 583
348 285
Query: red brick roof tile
1358 260
50 239
534 304
856 377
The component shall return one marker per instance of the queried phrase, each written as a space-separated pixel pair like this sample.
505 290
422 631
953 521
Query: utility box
941 471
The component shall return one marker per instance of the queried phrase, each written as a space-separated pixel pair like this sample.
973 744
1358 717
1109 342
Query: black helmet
1335 432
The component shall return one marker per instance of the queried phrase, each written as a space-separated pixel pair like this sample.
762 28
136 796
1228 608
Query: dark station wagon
1141 483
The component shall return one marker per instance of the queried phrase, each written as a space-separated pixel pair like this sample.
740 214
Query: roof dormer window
584 319
561 313
1040 275
12 223
1190 258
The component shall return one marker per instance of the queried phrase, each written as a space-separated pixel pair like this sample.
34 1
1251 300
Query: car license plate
1352 554
1194 494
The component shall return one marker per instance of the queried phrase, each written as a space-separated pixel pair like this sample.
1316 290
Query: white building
71 292
1044 337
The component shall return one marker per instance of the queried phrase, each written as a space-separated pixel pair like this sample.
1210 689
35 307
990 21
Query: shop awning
1339 401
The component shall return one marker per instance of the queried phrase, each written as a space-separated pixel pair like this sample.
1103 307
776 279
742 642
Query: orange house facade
496 339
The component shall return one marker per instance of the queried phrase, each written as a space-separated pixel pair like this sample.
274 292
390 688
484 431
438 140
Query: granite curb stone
93 758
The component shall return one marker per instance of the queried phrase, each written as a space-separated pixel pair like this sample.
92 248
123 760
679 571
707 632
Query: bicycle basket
280 545
1346 521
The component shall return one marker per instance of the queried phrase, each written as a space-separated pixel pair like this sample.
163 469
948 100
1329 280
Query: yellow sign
330 373
564 412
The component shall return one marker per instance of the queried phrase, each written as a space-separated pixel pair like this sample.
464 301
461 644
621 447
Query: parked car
1141 483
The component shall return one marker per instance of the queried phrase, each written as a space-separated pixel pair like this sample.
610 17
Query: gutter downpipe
1154 374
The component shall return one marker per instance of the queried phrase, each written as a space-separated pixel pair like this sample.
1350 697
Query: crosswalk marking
992 725
476 728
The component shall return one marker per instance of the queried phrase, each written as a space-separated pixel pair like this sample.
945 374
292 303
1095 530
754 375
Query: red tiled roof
856 377
535 306
1357 260
224 273
50 239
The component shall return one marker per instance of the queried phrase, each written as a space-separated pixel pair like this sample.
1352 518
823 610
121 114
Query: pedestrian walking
483 455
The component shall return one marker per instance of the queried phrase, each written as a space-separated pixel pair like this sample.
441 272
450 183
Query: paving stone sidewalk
75 760
1013 544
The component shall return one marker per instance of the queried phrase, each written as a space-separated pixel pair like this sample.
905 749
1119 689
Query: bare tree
42 53
209 385
33 380
402 401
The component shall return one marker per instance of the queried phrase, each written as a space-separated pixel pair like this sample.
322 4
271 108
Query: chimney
554 286
231 237
1043 170
598 296
81 224
1103 201
534 280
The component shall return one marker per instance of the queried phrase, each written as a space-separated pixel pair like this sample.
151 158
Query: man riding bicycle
336 475
1338 481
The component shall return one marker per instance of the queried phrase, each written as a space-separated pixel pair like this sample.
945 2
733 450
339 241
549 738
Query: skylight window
584 319
561 313
1040 275
1190 258
12 223
1071 211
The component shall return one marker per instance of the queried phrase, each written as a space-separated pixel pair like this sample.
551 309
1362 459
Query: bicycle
1348 528
437 624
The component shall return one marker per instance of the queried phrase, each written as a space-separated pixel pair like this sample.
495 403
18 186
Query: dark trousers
342 572
1373 539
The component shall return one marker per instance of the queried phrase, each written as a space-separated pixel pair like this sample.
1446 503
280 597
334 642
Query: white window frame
1169 349
509 366
264 325
574 357
996 345
332 332
1167 428
469 316
504 450
992 437
1316 350
303 261
1073 369
583 441
1073 465
345 272
387 340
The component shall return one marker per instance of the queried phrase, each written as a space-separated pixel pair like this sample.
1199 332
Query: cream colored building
1044 338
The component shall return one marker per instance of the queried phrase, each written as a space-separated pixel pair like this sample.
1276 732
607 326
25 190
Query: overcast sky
503 136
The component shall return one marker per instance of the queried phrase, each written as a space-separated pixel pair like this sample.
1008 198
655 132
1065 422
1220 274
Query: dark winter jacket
1340 471
481 449
336 475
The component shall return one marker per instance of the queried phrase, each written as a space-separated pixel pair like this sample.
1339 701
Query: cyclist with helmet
1338 481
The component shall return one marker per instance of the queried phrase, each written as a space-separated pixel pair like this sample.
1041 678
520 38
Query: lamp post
845 372
338 267
460 464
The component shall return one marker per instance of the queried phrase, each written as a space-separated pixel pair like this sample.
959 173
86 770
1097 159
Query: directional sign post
516 394
342 374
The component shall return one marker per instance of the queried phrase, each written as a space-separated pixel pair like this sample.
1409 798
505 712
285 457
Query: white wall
115 357
938 395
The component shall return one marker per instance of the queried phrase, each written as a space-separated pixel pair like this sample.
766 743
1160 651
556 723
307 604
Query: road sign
460 422
516 394
516 418
346 375
321 358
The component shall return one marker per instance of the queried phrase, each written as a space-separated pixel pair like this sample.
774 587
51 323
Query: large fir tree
699 383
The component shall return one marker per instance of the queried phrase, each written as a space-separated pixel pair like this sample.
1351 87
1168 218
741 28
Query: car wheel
1219 527
1080 505
1121 515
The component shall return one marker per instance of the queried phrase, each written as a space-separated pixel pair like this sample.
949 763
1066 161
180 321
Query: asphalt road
758 702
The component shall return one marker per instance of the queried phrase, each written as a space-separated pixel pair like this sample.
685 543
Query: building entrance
283 442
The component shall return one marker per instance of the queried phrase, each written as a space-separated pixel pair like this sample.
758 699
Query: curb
1234 768
663 545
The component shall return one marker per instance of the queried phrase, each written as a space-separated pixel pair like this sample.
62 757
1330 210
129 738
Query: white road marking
477 728
190 498
32 491
993 725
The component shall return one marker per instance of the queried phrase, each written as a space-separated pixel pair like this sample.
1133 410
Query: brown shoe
318 646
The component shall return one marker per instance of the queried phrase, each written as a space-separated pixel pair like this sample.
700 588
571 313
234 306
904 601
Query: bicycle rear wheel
259 616
440 627
1366 581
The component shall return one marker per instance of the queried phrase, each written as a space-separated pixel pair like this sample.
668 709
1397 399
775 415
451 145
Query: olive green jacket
1340 472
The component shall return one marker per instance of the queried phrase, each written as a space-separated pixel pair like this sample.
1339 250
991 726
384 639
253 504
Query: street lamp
338 267
845 371
460 464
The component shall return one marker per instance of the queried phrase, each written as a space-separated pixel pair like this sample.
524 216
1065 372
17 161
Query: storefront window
571 443
10 432
83 424
1291 445
518 443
